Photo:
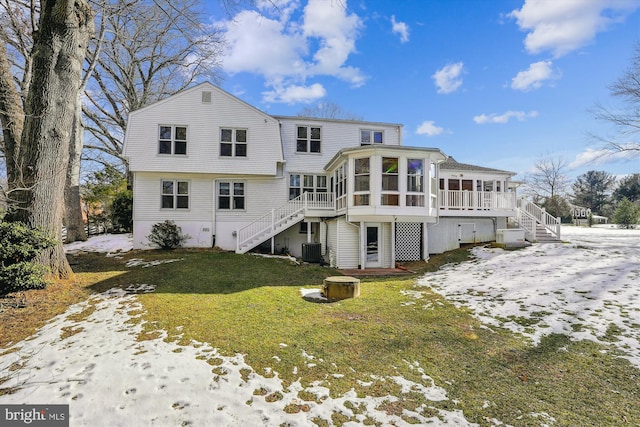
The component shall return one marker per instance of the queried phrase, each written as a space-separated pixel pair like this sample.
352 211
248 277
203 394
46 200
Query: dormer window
369 136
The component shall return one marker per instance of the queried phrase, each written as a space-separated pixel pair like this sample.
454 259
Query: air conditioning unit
312 252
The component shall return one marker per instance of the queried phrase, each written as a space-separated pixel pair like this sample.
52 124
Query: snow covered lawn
91 357
588 288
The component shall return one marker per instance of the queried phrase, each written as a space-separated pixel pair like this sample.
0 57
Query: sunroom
384 198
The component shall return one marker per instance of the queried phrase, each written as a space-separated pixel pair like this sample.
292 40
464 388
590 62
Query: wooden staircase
538 225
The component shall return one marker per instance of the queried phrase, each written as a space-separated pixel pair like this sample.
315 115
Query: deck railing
476 200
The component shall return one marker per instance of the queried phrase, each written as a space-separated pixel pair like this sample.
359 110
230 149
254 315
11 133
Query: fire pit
341 287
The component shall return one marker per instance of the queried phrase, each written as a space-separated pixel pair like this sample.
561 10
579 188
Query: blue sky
498 83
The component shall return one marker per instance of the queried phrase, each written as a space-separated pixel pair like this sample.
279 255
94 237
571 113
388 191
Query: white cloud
447 79
336 33
429 128
600 156
504 117
400 28
293 45
534 76
292 94
562 26
260 45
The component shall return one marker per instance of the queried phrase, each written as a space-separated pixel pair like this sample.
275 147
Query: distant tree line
598 191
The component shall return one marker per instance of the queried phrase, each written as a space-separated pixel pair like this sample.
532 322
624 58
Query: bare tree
626 118
150 51
144 51
327 110
40 150
548 179
16 43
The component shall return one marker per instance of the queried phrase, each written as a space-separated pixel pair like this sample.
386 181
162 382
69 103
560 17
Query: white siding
343 241
261 195
349 245
335 135
203 122
332 242
293 239
444 236
386 247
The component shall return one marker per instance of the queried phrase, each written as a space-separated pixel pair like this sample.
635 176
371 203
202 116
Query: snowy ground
94 362
583 289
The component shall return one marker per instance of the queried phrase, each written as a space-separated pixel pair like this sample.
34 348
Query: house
237 178
580 216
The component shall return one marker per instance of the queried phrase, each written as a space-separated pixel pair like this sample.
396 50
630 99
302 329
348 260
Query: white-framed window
233 142
361 181
390 195
415 182
308 139
231 195
339 184
306 183
370 136
172 139
174 194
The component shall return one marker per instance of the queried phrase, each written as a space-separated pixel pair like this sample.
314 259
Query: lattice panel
408 241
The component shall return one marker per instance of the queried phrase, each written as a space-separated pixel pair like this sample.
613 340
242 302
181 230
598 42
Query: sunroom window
361 182
390 195
415 182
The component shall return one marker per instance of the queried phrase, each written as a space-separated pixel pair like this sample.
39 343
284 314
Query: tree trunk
58 54
72 203
11 118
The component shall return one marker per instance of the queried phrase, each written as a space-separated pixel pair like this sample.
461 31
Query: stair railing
541 216
272 222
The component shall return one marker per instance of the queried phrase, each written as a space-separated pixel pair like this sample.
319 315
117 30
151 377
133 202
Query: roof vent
206 97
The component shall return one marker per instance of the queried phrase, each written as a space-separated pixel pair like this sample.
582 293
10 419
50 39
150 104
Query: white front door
372 248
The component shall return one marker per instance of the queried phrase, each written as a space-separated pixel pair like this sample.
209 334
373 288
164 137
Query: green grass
250 305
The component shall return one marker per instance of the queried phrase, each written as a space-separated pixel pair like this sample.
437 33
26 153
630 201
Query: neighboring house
235 177
580 216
